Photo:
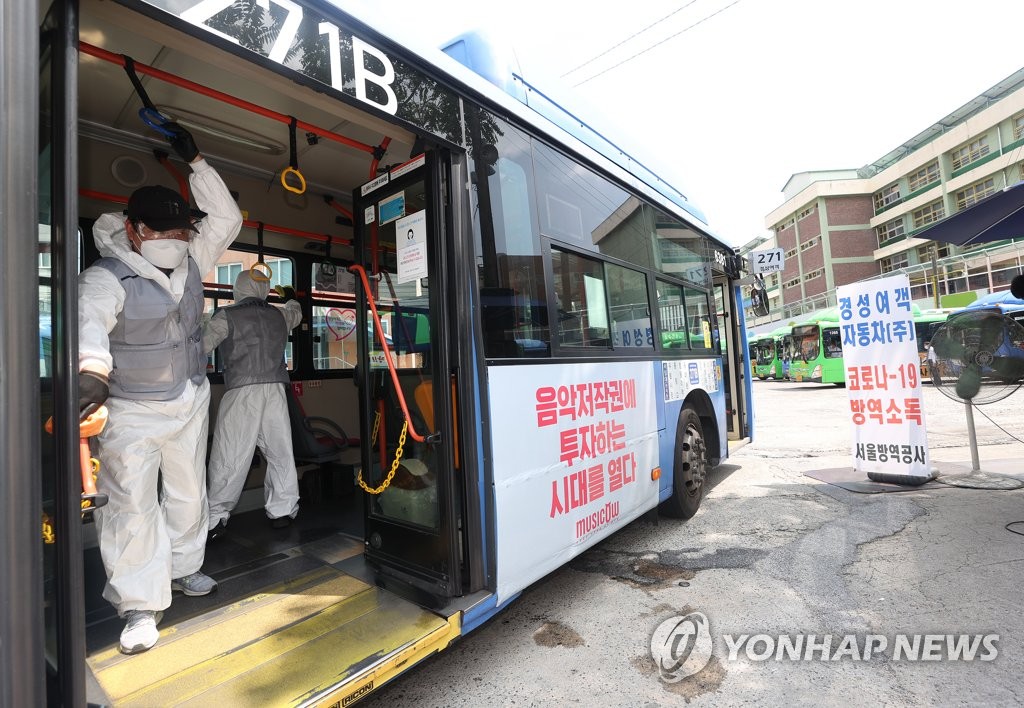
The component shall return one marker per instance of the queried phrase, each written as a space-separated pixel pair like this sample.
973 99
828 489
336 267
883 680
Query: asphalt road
774 552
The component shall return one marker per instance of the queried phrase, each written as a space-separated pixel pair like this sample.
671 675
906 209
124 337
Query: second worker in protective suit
252 335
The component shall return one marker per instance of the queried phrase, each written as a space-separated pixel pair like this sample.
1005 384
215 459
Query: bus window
631 315
334 318
582 302
672 316
833 342
512 291
702 330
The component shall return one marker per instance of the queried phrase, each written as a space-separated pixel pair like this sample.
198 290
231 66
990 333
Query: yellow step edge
265 671
358 686
245 622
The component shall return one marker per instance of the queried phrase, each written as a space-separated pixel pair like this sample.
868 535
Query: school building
842 226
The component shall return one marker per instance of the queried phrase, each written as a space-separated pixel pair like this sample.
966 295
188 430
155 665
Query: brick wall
847 211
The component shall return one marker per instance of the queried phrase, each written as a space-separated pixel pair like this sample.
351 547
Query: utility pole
935 272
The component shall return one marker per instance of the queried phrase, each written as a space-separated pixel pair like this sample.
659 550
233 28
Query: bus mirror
759 297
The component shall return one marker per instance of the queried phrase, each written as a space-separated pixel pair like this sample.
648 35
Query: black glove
287 292
92 388
181 141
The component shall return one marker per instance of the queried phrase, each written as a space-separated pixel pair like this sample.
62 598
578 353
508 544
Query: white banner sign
883 380
574 446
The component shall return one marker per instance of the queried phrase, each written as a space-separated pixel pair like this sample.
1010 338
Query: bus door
406 419
733 352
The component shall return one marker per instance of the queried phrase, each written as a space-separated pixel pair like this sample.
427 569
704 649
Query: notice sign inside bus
883 380
574 446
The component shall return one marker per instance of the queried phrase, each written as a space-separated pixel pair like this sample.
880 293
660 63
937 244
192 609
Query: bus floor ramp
278 646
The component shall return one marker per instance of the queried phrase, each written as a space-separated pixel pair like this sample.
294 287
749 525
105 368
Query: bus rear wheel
690 467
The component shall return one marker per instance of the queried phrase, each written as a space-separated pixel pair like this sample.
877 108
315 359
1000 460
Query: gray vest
253 351
157 343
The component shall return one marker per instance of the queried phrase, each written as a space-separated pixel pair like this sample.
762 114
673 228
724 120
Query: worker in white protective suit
252 335
140 310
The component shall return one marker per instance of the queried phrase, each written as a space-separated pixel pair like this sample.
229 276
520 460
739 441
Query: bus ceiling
239 109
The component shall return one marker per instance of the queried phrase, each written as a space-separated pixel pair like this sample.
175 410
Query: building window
924 253
790 253
791 283
1018 127
924 176
929 213
971 152
785 225
816 274
975 192
227 272
805 212
893 262
887 196
890 231
809 244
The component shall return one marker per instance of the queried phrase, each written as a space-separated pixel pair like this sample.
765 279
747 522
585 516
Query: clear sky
728 98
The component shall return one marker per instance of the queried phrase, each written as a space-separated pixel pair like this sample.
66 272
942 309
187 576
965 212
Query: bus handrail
119 60
379 330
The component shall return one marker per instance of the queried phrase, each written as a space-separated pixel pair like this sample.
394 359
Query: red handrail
118 199
379 329
118 59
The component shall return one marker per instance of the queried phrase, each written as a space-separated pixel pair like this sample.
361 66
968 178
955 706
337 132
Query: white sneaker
194 584
140 632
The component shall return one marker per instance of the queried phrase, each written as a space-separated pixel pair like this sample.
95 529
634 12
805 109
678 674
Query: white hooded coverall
253 415
152 453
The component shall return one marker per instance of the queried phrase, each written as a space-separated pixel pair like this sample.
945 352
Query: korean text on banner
883 380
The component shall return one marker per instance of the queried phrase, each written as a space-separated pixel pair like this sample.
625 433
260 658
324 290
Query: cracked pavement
773 551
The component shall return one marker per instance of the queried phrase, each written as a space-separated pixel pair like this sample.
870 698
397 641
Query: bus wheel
690 468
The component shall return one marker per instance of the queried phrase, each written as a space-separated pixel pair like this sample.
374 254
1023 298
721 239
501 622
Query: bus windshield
806 342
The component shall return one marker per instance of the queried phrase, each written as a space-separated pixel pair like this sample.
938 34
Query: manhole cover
980 480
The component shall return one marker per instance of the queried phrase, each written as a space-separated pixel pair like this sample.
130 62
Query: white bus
531 381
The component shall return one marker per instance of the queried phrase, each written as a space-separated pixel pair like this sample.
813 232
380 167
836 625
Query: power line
644 51
635 34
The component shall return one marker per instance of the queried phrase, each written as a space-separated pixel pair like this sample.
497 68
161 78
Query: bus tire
690 467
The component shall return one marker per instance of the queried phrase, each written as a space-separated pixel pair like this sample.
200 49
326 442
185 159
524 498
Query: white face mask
165 252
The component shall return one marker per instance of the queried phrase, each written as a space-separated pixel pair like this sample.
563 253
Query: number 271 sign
769 261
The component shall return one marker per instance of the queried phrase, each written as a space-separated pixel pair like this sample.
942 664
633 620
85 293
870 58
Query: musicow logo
681 646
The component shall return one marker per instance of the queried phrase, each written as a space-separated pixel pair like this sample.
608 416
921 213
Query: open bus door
409 457
733 354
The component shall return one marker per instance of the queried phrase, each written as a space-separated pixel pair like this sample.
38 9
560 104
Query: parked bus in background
783 351
818 349
525 339
763 356
926 323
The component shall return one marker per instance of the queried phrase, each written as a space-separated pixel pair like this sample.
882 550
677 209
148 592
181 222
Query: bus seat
316 440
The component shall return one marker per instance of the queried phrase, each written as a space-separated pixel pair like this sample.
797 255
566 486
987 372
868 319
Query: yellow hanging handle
394 463
288 171
293 163
261 272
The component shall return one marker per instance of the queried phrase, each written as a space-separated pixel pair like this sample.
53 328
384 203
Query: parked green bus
763 355
818 349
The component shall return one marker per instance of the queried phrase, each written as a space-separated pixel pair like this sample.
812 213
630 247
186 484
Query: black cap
161 209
